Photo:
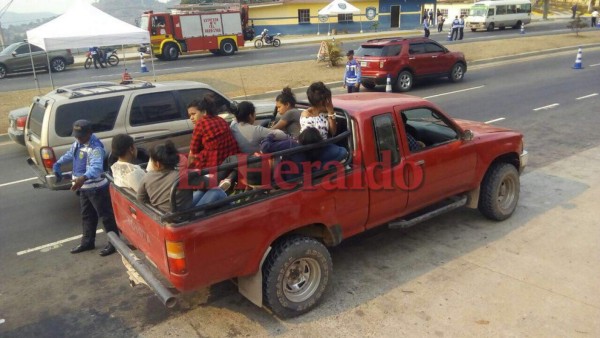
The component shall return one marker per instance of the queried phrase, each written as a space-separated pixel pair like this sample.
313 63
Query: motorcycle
265 38
109 56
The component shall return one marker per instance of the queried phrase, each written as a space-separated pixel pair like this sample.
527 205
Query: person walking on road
352 73
594 18
461 27
574 10
87 156
455 25
426 26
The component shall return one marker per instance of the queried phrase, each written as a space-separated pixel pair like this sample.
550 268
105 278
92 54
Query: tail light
20 122
68 51
48 157
176 257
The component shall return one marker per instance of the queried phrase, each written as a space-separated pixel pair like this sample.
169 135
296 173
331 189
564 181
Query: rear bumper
49 180
140 273
377 79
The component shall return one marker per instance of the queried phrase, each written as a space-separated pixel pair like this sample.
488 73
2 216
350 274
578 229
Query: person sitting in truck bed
125 173
212 140
248 135
328 153
155 187
289 116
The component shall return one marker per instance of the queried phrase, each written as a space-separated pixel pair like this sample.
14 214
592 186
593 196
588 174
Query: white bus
500 13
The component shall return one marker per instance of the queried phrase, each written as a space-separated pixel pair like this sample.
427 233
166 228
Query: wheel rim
227 47
58 65
457 73
301 279
405 81
172 52
507 193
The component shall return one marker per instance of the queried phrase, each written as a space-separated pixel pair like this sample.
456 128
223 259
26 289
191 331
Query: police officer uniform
352 73
455 26
87 156
461 27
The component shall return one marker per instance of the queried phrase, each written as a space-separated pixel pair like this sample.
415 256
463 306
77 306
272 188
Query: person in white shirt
125 173
594 17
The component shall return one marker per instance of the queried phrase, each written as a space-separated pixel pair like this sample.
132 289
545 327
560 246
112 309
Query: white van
501 13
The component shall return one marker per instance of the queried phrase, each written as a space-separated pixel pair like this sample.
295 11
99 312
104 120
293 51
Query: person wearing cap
352 73
87 156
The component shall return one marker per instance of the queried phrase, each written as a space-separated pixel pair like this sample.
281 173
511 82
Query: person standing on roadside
440 20
574 10
426 26
594 18
352 73
461 27
455 25
87 156
95 52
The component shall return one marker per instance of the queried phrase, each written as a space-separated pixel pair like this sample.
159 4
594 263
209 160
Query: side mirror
14 54
467 135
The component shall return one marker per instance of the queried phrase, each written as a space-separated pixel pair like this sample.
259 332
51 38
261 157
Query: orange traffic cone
126 78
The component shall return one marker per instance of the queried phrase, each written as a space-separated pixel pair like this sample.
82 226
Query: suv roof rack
101 87
391 39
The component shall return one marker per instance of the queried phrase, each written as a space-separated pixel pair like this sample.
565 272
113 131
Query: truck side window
188 95
155 108
386 137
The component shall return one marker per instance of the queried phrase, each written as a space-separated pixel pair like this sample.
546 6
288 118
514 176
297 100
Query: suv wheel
457 73
404 82
2 71
58 64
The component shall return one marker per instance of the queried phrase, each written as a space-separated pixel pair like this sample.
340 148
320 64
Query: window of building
304 16
464 11
345 18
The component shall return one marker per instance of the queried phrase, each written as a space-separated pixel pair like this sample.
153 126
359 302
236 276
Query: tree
577 24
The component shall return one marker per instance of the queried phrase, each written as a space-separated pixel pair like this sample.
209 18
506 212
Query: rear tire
296 275
457 73
499 191
473 29
3 71
276 42
404 82
490 27
227 47
88 63
113 60
517 25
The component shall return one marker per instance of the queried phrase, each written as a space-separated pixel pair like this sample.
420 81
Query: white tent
84 26
340 7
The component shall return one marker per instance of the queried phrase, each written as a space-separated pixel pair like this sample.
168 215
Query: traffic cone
143 69
388 84
126 78
522 28
578 64
450 35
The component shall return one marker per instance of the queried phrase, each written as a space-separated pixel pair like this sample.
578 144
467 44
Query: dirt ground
259 79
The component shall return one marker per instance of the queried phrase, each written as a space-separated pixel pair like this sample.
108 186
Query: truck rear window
101 112
391 50
36 118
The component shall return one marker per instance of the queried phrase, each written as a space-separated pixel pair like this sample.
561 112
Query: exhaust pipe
165 296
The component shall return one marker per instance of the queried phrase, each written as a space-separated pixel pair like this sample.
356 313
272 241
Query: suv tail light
176 257
68 51
20 122
48 157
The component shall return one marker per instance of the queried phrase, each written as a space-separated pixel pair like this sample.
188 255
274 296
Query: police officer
87 156
455 26
461 27
352 73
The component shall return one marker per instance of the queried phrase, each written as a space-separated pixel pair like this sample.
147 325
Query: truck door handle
433 57
411 58
420 162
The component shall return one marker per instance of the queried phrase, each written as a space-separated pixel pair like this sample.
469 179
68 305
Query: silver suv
140 109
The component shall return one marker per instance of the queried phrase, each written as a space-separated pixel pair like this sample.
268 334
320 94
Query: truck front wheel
295 276
499 191
170 52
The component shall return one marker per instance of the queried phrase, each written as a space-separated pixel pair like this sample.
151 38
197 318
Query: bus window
501 10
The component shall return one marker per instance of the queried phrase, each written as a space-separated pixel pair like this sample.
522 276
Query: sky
54 6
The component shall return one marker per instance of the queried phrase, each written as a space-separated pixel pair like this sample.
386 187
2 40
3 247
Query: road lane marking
19 181
495 120
52 245
595 64
585 97
454 92
546 107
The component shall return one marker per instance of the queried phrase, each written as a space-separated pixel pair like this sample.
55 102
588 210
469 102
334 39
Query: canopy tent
340 7
83 26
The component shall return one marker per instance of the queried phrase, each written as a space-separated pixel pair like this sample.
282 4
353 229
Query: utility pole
1 36
545 14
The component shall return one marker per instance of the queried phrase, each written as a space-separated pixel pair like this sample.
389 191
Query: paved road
49 292
247 57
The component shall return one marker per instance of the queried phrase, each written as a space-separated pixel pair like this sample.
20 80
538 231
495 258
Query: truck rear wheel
295 276
227 47
499 191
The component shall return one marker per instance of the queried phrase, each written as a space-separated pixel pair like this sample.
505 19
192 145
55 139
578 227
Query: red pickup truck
272 240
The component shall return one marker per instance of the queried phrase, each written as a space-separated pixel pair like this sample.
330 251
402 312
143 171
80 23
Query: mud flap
251 286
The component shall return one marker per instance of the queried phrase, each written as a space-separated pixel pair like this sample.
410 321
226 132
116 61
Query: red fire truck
220 29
